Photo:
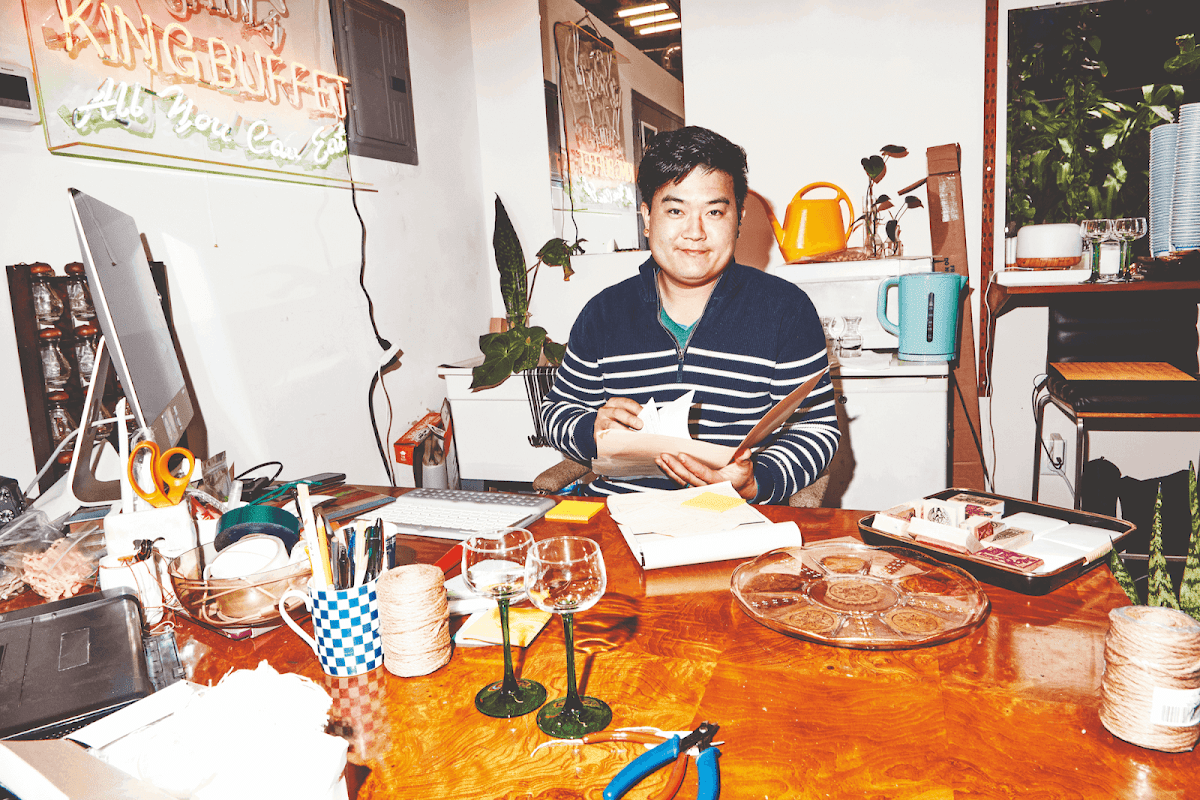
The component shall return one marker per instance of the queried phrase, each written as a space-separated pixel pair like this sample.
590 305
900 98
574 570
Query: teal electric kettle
928 329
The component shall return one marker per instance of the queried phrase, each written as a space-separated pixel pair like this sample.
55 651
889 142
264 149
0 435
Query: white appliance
893 414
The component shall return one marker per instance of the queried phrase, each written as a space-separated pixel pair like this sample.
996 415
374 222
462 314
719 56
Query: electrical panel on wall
372 51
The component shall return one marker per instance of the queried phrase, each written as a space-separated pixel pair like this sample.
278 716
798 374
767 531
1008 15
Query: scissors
168 486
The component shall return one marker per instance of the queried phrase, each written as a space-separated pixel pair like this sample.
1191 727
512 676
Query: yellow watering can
814 227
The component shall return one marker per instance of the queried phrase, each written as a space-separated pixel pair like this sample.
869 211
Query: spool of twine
414 620
1151 683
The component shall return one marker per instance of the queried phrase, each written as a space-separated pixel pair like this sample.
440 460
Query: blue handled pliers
675 749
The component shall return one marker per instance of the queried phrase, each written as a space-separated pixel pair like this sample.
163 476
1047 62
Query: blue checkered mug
346 625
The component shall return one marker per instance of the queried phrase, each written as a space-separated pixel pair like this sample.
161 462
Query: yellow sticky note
523 625
574 511
711 501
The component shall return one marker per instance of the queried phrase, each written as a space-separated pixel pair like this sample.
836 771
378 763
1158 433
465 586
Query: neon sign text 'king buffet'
213 63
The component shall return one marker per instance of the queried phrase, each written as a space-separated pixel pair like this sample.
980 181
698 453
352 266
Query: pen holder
346 625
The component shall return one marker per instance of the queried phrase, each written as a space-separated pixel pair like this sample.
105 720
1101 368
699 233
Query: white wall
265 277
810 87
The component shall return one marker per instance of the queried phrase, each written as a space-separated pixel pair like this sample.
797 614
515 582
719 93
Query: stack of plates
1185 205
1162 185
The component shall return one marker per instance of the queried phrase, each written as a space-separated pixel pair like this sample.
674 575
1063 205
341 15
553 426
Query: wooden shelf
1000 299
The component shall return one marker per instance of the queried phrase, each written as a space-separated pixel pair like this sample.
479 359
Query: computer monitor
137 343
131 318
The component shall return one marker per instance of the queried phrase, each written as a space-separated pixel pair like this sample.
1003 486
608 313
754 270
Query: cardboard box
948 240
415 452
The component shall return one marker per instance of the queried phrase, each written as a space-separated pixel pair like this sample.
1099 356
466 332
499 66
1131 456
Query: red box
406 444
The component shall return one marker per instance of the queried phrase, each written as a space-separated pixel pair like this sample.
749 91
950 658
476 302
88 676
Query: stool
1134 335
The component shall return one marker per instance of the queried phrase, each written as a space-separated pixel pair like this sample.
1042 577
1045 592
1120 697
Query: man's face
692 227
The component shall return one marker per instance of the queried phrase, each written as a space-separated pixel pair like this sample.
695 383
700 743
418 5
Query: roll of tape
248 520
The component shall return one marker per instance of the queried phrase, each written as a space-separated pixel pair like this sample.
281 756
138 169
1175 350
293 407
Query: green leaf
894 150
505 353
1108 139
1160 592
893 229
1094 43
510 262
555 352
1164 112
1117 567
875 168
1189 590
557 253
1065 146
913 202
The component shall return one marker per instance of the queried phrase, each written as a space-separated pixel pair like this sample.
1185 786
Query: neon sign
218 85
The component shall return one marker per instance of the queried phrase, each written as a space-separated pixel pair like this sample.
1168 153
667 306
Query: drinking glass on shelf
1127 230
493 565
565 575
851 342
1094 231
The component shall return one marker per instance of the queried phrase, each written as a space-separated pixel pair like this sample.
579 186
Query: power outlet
1058 454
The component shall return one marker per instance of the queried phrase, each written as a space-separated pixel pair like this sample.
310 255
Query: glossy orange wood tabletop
1007 711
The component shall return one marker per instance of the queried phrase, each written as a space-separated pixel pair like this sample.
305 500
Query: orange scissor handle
168 485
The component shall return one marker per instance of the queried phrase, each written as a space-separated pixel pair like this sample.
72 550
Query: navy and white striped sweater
758 339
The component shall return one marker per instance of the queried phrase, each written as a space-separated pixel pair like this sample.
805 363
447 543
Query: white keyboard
454 514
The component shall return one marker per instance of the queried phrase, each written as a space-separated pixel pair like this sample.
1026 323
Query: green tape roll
248 520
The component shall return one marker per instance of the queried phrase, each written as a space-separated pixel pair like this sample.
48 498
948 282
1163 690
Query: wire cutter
677 750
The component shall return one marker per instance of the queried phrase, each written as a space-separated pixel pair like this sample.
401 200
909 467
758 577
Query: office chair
1132 327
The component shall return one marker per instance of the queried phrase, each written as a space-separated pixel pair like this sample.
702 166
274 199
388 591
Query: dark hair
672 155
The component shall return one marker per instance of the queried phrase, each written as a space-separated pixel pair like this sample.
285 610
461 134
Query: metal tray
997 574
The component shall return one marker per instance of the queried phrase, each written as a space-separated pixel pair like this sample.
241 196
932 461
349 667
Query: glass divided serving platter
857 596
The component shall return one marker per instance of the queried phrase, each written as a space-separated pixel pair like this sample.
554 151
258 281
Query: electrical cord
384 344
51 460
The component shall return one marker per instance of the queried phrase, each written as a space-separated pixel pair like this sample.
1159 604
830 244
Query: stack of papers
696 526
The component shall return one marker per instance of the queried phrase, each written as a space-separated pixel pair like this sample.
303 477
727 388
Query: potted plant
876 169
521 346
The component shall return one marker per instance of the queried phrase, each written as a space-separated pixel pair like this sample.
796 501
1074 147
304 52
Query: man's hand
688 471
618 412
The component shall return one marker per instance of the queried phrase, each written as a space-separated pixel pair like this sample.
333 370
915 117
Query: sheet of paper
665 512
623 453
653 551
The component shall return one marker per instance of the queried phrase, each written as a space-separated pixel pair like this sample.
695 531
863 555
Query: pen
351 555
324 545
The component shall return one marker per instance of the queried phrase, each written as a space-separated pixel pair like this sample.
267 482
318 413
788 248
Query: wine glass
1126 230
1093 232
493 565
565 575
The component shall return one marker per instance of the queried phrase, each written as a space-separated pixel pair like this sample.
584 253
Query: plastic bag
35 552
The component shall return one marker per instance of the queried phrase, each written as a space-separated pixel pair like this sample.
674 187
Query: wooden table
1009 710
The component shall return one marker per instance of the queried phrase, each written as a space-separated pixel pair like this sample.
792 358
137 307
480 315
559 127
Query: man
694 319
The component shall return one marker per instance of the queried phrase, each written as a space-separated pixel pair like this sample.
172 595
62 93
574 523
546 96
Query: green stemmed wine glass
565 575
493 565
